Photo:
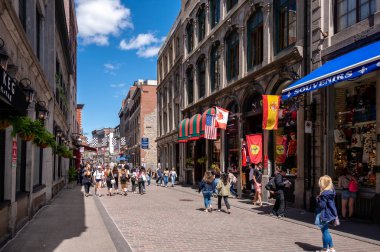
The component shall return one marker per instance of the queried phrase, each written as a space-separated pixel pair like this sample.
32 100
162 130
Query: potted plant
44 138
25 127
72 173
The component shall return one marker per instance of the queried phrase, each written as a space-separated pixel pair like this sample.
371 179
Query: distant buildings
138 124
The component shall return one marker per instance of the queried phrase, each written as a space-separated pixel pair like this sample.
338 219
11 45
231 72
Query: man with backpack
279 187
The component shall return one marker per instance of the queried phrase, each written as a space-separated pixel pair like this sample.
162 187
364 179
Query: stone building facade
35 56
235 51
169 98
138 124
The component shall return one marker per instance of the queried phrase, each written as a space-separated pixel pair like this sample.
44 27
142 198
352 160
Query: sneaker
205 210
281 216
218 210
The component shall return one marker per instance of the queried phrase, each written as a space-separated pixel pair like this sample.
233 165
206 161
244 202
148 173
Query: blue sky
117 44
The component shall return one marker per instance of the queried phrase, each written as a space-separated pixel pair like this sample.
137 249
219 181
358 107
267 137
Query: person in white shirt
98 175
173 176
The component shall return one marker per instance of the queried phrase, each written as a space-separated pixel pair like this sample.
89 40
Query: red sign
14 152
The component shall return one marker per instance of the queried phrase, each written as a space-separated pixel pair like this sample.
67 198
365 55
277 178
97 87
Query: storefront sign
11 92
14 153
144 143
330 79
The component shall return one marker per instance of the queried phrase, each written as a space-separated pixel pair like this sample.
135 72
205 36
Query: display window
285 138
355 132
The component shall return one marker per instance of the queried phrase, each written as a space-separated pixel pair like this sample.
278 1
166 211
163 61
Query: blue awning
346 67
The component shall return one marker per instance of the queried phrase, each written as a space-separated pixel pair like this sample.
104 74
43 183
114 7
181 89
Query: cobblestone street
172 219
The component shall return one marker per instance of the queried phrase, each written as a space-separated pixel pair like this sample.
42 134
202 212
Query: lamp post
42 112
28 90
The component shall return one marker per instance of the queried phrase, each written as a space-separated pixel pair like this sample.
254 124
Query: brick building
138 124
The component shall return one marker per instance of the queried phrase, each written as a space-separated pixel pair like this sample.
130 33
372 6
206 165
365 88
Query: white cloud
99 19
117 85
146 44
148 52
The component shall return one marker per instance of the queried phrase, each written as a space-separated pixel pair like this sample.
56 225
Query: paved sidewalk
172 219
70 223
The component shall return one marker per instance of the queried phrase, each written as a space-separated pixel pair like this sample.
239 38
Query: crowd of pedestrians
117 178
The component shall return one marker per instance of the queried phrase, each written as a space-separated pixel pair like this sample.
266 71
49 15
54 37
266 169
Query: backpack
123 177
271 186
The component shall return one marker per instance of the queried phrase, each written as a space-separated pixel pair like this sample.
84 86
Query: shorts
347 194
98 180
123 185
258 187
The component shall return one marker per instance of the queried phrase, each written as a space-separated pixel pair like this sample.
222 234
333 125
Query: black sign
144 143
11 93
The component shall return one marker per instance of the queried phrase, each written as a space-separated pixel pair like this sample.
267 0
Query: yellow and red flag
271 105
255 148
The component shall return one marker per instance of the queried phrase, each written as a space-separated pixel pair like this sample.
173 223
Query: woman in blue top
207 187
326 211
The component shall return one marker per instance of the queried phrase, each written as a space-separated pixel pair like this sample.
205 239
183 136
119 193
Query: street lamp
28 90
42 112
3 55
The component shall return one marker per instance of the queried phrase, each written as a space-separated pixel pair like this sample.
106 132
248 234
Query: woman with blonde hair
207 187
326 211
124 177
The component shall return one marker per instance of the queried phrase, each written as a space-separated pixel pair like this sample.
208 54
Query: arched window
201 17
232 52
255 39
214 67
201 76
230 4
190 84
190 36
214 12
285 14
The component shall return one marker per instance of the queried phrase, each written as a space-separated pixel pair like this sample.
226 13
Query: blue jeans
207 199
173 180
148 178
166 180
233 191
326 237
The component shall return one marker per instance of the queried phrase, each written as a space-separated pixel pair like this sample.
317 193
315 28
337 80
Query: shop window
253 112
355 133
214 67
201 17
232 62
349 12
190 36
285 138
285 14
38 164
21 166
255 39
190 84
201 76
215 12
230 4
2 164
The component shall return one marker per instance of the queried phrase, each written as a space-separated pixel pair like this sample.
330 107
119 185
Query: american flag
210 130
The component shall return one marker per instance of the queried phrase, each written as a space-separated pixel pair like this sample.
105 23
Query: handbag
113 181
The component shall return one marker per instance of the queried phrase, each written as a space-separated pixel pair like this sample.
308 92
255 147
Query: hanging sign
144 143
14 153
255 148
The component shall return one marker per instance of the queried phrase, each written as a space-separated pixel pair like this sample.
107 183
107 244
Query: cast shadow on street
356 227
307 247
61 220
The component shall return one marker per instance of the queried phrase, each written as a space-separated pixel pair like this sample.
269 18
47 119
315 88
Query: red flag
255 148
271 105
221 118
